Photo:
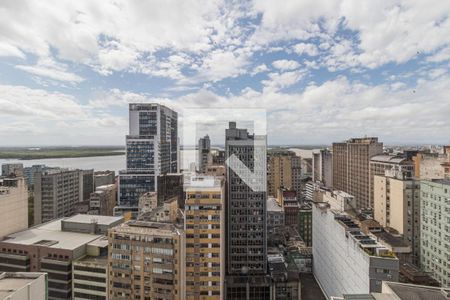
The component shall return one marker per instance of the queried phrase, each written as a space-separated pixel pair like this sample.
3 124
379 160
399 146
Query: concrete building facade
435 229
51 248
323 167
283 170
401 165
13 205
103 200
347 261
23 286
205 239
56 192
146 261
351 169
397 205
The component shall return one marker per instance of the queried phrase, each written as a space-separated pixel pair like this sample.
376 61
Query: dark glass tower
246 236
151 150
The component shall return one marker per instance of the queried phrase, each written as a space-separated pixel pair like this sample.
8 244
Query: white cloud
260 69
284 64
51 70
303 48
23 102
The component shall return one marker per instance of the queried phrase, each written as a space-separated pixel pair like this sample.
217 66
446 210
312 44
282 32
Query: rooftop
273 205
50 235
441 181
150 228
418 292
87 219
98 260
12 282
393 159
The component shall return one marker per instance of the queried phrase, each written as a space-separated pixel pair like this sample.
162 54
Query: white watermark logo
199 122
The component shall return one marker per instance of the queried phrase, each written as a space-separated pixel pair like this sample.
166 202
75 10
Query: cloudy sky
324 70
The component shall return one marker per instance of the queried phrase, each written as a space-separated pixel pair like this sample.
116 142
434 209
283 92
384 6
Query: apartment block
13 205
351 168
323 167
397 206
347 261
151 150
56 192
205 238
52 247
103 200
435 229
283 170
23 286
402 165
146 261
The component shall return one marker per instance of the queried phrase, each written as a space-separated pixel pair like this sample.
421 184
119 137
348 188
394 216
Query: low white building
23 286
347 261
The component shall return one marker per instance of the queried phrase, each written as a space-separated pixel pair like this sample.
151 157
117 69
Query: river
98 163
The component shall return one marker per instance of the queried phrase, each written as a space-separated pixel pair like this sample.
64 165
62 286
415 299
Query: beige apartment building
397 205
146 261
205 234
351 171
283 170
401 164
13 205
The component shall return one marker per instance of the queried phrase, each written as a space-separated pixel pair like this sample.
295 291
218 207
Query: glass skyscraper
151 150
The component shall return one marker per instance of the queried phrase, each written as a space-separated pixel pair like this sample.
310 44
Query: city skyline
324 70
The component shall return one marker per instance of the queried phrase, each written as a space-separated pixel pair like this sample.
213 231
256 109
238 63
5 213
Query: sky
323 70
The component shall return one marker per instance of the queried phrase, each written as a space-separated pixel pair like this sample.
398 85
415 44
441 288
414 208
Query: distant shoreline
46 153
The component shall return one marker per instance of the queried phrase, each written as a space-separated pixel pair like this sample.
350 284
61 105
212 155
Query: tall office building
246 232
283 171
13 205
205 238
397 205
146 261
323 167
151 150
56 192
351 172
204 153
435 231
